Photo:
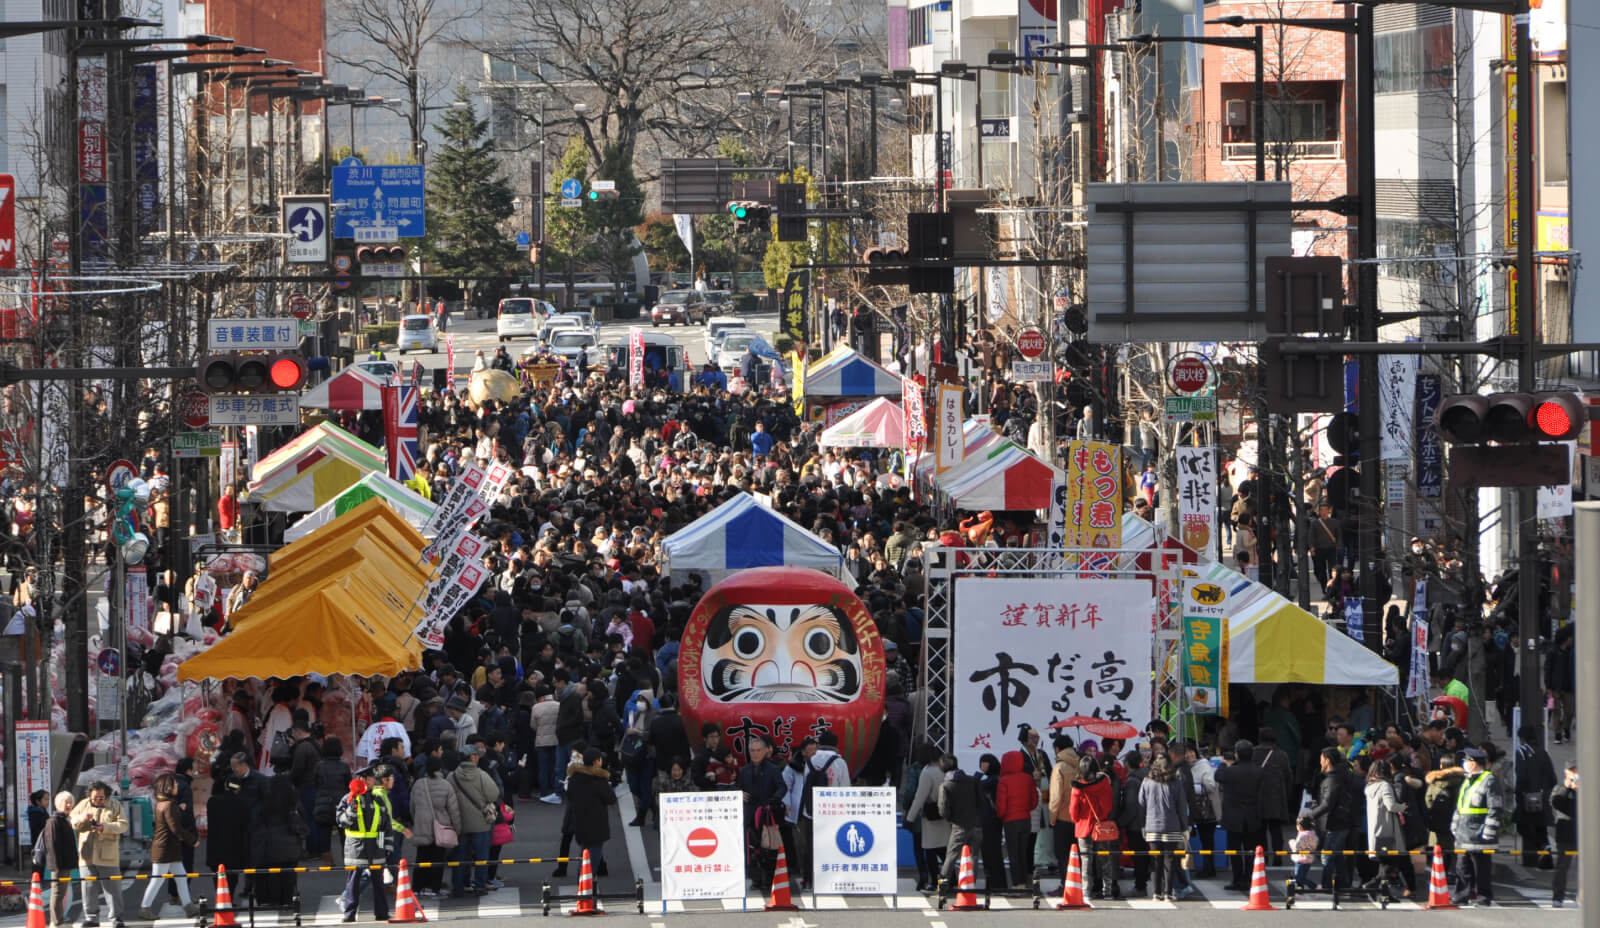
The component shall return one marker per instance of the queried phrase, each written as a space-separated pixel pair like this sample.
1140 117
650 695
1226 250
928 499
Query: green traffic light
594 194
739 212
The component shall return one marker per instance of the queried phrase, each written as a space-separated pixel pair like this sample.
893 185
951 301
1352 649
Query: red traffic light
1512 418
1558 416
261 373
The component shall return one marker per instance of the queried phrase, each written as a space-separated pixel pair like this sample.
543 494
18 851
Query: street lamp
14 29
1000 57
1249 43
949 70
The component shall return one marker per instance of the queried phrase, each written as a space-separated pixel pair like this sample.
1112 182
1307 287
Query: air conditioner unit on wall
1238 113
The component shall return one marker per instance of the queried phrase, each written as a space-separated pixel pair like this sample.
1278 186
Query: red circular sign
1190 374
1030 343
196 407
300 306
702 842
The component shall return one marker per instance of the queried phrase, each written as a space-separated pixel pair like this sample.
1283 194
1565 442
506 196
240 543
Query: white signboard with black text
853 841
702 845
1036 651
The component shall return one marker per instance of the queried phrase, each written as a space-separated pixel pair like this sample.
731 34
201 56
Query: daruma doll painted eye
785 652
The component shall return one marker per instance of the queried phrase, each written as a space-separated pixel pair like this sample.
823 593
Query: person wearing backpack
823 767
329 780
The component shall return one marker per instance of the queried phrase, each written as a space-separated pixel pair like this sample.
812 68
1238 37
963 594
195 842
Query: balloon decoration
131 543
786 652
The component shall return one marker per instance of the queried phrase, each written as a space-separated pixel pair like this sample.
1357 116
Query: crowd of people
557 685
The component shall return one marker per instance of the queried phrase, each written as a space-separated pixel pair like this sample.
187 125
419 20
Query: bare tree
388 39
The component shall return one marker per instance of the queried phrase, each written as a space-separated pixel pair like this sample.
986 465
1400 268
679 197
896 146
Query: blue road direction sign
378 203
571 189
523 240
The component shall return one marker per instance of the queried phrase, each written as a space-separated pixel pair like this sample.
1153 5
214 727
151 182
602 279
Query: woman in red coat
1016 797
1093 810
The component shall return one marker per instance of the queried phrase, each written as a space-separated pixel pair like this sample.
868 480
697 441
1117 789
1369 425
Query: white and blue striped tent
743 533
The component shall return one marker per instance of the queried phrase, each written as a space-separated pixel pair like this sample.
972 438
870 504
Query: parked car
715 326
679 307
660 352
417 332
519 317
585 321
719 301
561 322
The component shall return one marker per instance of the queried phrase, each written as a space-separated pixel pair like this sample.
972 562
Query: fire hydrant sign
702 845
853 841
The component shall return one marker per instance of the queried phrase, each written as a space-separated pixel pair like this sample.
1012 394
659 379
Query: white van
661 352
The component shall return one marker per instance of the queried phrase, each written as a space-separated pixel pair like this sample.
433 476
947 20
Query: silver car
417 333
570 343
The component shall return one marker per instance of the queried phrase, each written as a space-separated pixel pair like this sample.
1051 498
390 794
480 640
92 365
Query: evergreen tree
467 202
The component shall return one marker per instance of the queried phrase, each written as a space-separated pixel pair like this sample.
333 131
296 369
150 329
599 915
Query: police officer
367 825
1476 828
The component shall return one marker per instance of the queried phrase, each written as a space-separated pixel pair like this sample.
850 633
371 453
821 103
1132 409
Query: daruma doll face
784 652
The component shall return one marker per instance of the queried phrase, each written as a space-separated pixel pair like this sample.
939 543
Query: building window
1553 126
1410 237
1413 60
1303 115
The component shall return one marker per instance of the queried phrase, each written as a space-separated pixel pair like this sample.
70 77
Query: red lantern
787 652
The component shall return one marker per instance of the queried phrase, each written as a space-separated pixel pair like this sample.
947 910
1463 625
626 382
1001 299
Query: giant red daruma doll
788 652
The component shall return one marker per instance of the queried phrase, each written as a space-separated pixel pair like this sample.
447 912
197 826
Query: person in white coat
935 831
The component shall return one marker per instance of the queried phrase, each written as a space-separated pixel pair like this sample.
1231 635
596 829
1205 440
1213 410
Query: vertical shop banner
1355 619
147 148
94 207
702 845
796 293
853 841
1094 495
1060 490
1036 651
1197 498
1397 400
1205 647
950 445
1430 446
797 363
450 363
33 771
136 596
228 461
916 419
635 356
1417 680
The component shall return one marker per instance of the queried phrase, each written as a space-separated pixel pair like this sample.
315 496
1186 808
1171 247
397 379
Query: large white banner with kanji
1038 651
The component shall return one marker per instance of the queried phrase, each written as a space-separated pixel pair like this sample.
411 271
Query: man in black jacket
1536 777
713 766
667 736
1240 782
1564 803
1277 785
961 806
1333 813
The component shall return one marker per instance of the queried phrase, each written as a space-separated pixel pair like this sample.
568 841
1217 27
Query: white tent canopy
743 533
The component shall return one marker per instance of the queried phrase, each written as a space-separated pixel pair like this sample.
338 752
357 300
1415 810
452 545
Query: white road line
633 838
505 902
1150 904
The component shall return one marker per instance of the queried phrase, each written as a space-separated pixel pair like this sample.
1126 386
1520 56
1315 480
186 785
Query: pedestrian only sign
853 841
702 845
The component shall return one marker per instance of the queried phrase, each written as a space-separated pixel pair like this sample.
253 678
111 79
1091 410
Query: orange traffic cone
966 884
1072 884
222 911
406 907
36 916
1260 900
586 904
1438 886
778 900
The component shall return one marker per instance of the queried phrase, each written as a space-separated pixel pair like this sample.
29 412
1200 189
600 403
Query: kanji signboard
1094 495
702 845
1197 497
1205 647
1036 650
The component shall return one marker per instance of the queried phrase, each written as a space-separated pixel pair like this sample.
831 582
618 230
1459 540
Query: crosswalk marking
505 902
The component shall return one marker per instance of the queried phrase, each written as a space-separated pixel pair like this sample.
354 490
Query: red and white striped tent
354 390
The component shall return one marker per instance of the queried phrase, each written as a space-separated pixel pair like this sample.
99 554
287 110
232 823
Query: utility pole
1530 617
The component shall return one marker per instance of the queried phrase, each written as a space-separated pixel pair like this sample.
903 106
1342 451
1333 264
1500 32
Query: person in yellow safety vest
366 822
385 775
1476 828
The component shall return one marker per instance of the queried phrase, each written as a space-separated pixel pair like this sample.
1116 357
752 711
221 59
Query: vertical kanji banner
1205 647
1037 651
635 356
950 445
1094 495
1197 498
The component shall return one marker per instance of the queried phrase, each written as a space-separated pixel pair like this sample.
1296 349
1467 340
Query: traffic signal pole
1530 620
1369 506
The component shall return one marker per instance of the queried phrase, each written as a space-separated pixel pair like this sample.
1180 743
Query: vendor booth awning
312 469
847 372
975 434
401 498
1000 476
353 390
337 602
743 533
1270 639
879 424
